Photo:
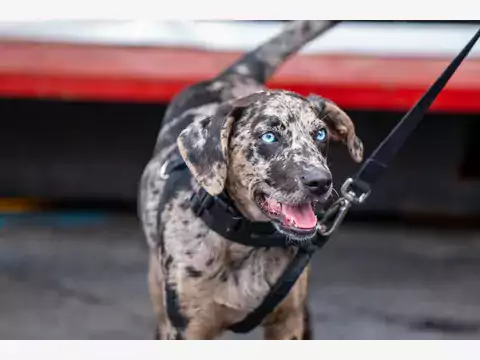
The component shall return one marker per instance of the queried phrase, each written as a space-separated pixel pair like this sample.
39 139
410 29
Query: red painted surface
41 70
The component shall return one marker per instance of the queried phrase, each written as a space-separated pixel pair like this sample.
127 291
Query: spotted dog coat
201 283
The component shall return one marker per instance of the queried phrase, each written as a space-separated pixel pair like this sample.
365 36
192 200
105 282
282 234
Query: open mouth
298 220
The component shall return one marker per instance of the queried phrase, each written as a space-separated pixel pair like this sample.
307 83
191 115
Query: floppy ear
340 125
204 143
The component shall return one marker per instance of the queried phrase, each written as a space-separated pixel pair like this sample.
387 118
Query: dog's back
247 75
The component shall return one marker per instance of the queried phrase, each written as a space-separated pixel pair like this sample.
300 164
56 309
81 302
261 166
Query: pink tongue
303 215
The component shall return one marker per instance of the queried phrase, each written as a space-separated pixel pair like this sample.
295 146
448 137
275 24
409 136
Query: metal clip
200 202
163 170
338 210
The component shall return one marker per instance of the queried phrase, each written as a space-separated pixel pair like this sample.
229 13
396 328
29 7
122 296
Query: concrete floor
71 278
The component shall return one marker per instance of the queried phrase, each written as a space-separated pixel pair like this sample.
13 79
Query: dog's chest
251 275
207 265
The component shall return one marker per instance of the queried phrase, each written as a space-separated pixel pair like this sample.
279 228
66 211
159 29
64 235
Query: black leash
221 216
377 163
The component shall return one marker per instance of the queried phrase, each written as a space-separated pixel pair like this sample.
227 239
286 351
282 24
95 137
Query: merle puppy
266 149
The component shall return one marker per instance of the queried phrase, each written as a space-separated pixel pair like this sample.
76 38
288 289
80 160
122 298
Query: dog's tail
262 62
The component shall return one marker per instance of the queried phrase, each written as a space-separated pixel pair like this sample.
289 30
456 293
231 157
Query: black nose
317 181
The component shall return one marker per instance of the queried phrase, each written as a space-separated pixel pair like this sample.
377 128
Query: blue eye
321 135
269 138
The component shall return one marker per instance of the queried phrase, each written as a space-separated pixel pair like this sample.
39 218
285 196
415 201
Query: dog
267 149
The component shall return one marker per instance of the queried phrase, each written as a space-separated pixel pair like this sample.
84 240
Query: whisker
335 192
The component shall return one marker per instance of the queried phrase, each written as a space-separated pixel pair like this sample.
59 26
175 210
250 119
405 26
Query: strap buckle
171 165
163 170
200 202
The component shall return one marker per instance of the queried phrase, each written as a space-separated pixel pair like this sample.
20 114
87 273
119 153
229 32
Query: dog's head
269 150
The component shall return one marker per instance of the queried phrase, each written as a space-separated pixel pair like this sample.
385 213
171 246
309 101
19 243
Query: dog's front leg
289 327
197 329
291 319
190 314
183 310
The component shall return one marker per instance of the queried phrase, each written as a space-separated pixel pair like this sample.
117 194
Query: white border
34 10
377 39
232 350
245 9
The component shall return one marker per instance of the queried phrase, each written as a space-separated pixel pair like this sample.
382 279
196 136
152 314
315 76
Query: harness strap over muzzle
220 214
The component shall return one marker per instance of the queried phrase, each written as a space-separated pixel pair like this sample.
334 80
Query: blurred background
81 104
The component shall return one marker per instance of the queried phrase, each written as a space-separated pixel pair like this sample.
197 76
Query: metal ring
163 170
351 195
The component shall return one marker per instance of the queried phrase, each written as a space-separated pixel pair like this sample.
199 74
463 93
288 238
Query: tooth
276 205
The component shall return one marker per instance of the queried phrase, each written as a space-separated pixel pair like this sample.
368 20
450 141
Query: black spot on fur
282 175
236 280
168 262
267 151
210 261
199 236
189 253
185 222
317 103
185 205
257 119
204 122
151 183
223 276
160 240
306 28
249 153
178 320
192 272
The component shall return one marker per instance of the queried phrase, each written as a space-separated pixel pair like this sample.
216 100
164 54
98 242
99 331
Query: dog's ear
204 143
340 125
